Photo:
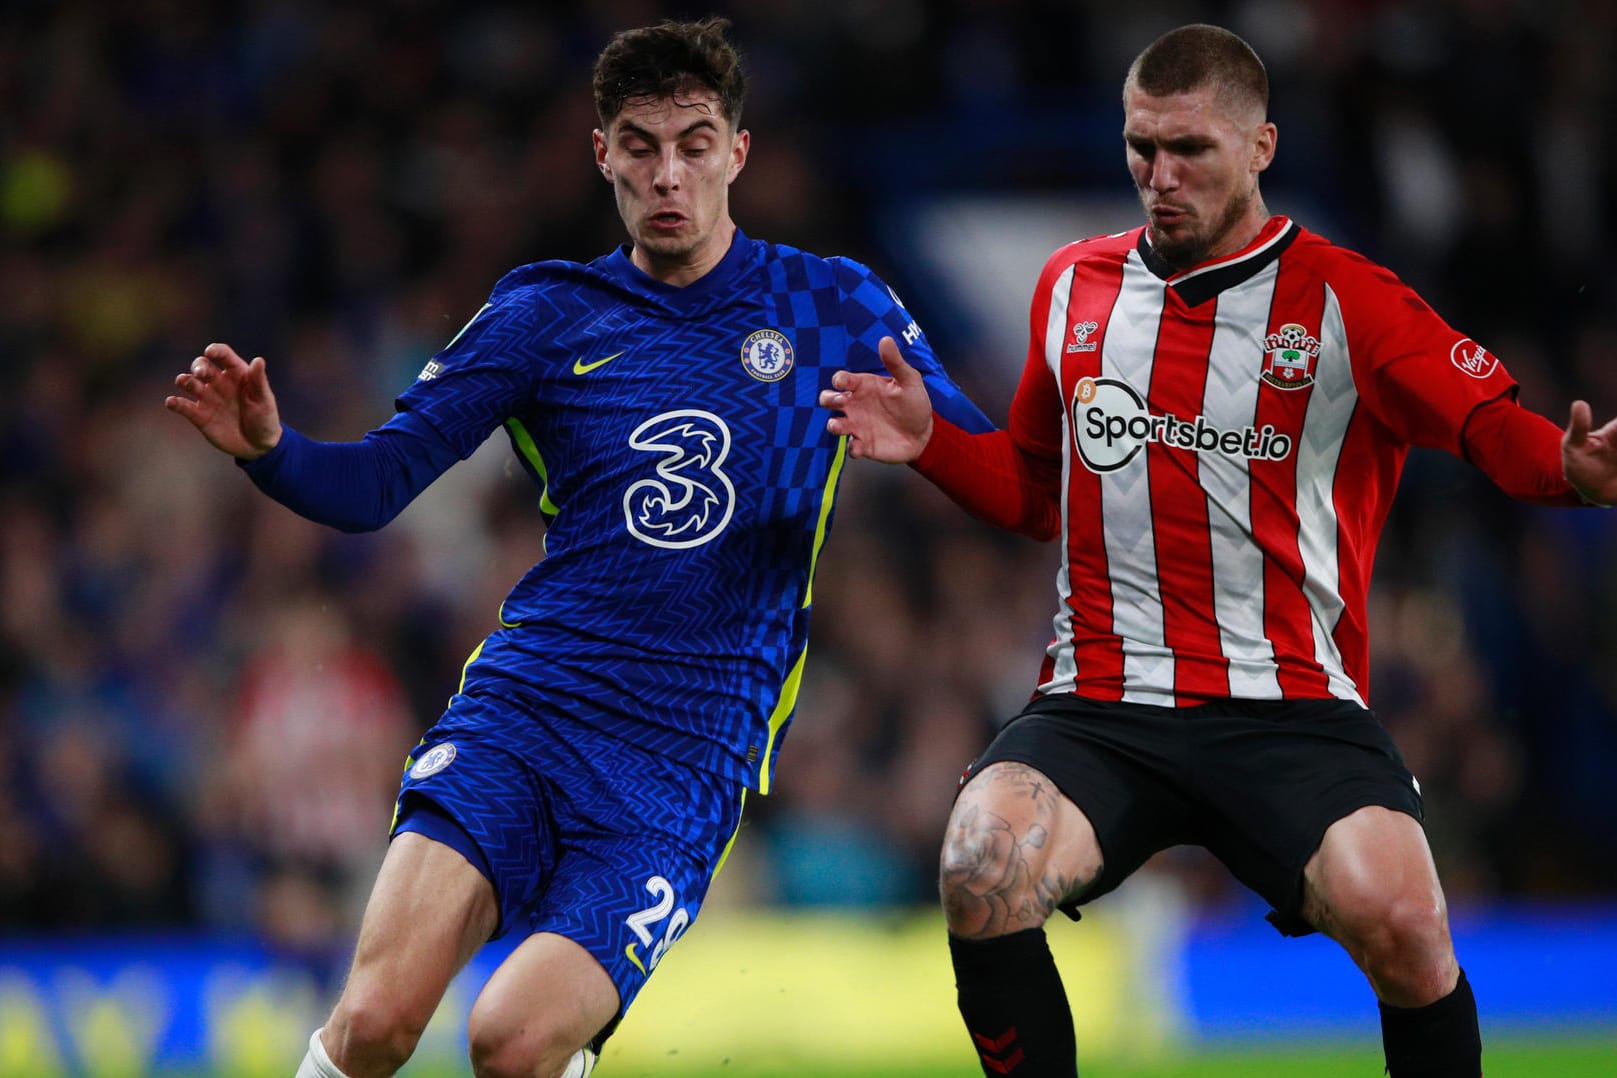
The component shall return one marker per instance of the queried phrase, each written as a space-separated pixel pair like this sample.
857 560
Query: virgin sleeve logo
1472 358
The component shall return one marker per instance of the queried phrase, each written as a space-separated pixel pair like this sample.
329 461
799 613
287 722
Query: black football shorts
1255 782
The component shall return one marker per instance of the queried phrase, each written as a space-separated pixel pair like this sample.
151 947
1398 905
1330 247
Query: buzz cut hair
1199 55
671 59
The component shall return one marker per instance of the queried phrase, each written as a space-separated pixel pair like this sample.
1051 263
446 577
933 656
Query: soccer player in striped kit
587 778
1212 419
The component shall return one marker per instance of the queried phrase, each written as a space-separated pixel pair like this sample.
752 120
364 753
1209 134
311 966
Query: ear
1263 148
738 154
598 137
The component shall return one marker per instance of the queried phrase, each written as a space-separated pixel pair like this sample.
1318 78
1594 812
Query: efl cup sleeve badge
767 355
1290 354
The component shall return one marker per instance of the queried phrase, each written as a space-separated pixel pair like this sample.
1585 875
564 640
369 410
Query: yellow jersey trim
530 452
820 529
794 680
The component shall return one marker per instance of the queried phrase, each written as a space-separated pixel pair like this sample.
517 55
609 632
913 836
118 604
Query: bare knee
1404 948
1374 889
1014 850
503 1046
373 1032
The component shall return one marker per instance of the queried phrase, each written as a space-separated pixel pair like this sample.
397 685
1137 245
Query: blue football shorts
581 834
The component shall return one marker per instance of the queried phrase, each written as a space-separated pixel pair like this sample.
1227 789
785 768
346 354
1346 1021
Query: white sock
580 1065
316 1064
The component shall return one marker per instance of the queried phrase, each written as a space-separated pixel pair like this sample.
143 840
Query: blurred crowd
205 702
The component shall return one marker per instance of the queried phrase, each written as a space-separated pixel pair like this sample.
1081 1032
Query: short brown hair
667 60
1199 55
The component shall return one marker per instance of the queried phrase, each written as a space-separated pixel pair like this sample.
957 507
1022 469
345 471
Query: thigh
1111 764
603 843
1015 848
549 997
633 870
471 789
1275 776
1368 865
429 912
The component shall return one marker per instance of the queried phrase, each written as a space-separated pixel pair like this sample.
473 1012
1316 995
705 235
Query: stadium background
204 701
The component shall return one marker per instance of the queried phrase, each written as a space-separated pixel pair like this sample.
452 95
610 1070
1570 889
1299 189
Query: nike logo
580 367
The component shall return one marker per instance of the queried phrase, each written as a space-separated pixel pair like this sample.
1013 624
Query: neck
681 270
1243 230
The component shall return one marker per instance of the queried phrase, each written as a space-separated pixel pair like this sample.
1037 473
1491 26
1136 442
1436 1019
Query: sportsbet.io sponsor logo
1111 424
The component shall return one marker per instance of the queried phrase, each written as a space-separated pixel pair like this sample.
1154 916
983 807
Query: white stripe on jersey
1329 409
1131 555
1065 675
1271 447
1230 401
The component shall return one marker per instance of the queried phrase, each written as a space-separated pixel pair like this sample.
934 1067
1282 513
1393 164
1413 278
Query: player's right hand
885 418
229 401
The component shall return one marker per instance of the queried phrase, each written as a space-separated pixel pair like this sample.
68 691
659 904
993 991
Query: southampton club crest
767 355
1290 354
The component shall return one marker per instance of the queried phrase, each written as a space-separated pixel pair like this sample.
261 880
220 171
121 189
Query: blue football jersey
686 478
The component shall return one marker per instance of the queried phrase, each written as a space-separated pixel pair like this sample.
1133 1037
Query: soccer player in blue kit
586 780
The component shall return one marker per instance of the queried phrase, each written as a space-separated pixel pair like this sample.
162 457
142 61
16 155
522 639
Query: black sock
1015 1008
1439 1040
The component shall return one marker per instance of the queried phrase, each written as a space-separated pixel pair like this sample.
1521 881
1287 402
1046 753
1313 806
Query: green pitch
807 996
1521 1059
1505 1058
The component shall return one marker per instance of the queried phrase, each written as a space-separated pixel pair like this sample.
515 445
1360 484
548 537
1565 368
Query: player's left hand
1589 456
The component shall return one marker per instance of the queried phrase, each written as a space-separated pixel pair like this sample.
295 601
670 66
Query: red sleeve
1520 451
1421 378
1008 478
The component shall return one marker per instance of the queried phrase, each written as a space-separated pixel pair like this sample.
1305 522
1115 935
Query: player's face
670 161
1195 162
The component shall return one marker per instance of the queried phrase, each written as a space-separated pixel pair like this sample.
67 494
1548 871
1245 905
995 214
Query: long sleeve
353 486
1008 478
1520 451
989 477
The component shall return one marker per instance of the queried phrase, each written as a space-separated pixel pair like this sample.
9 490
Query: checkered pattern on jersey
686 484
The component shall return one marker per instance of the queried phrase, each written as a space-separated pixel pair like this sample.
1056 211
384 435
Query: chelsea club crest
434 760
767 355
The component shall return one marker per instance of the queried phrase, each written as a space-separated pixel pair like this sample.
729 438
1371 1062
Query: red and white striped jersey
1230 439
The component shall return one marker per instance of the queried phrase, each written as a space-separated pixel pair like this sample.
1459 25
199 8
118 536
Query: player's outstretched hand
229 401
885 419
1589 456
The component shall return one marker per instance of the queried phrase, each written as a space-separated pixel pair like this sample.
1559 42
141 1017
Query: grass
1585 1056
